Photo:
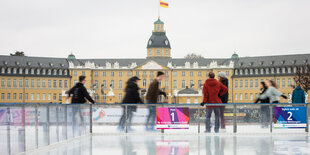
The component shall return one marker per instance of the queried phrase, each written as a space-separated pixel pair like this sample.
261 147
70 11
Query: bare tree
193 56
302 77
18 53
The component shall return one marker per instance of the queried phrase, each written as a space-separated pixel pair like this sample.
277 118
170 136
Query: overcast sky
121 28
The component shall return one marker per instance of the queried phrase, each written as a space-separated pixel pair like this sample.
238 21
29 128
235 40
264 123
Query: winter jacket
212 89
267 100
298 95
79 93
153 92
132 93
224 98
272 93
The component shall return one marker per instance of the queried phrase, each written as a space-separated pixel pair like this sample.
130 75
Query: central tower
158 45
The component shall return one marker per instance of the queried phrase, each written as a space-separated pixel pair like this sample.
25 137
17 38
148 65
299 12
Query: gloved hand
285 97
202 104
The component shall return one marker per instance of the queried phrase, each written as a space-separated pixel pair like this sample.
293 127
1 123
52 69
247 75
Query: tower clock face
166 42
150 42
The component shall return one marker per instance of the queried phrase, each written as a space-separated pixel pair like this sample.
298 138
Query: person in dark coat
265 110
132 96
152 98
212 89
298 95
79 92
222 78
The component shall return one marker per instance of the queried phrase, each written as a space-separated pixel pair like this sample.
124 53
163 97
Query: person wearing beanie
224 98
152 97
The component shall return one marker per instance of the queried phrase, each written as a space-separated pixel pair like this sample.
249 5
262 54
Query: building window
166 52
158 52
236 83
191 74
120 97
54 72
49 83
14 70
2 70
8 83
49 97
251 71
112 84
144 74
83 73
289 70
32 83
246 96
283 82
251 83
188 100
20 83
183 83
137 73
246 83
104 84
128 74
227 73
241 97
9 71
96 84
26 83
246 71
236 96
199 83
2 82
32 97
38 83
60 83
267 70
183 73
256 83
150 52
272 70
120 84
43 97
9 96
20 71
199 73
120 74
55 97
38 97
14 96
236 72
278 70
55 83
241 84
75 81
251 97
166 83
66 83
256 71
49 72
65 72
278 82
2 96
283 70
59 97
241 72
104 74
261 71
20 96
96 74
144 82
151 73
38 71
14 83
175 73
26 96
191 83
289 84
174 83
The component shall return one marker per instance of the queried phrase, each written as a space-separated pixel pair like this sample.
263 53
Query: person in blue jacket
298 95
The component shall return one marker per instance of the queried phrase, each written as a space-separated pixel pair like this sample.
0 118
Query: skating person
152 98
79 93
298 95
132 96
272 93
265 110
212 89
222 78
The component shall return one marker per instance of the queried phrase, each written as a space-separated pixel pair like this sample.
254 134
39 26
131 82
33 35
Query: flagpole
158 8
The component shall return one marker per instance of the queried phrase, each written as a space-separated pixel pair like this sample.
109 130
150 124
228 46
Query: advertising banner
290 117
172 118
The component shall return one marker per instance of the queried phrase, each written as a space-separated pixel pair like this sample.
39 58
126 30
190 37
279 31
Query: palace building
44 80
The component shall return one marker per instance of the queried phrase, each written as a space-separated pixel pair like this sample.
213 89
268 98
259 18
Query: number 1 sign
172 118
290 117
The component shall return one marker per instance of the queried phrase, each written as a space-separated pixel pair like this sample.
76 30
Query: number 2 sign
172 118
290 117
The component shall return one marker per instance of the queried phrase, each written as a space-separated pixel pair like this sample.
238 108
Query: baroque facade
43 80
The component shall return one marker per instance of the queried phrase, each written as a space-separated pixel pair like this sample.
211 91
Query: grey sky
121 28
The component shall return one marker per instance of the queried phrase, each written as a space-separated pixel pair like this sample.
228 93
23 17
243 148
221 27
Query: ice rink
181 144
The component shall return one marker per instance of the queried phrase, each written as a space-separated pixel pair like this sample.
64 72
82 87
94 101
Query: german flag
163 4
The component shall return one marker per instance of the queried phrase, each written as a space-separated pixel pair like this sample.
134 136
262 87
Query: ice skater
132 96
152 98
272 92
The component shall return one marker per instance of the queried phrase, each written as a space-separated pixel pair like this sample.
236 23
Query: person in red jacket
212 89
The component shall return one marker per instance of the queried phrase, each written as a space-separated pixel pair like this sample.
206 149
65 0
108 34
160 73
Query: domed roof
158 39
235 56
158 21
71 56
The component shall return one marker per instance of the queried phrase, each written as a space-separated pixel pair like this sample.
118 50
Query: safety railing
32 125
